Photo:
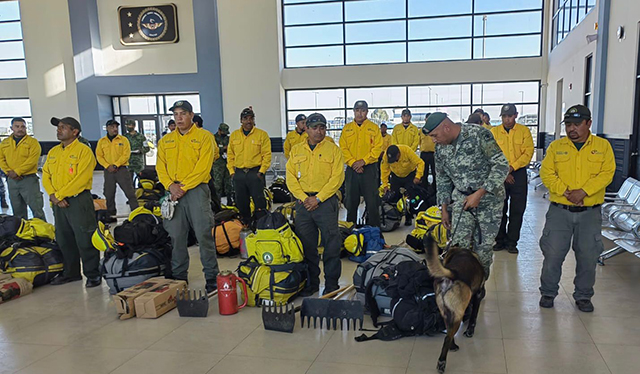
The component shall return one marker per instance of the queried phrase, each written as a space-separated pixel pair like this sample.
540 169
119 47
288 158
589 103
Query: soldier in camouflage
219 172
470 174
138 148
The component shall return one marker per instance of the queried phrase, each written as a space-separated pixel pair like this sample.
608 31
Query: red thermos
227 293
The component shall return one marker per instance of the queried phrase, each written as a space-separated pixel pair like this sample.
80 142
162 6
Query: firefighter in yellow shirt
113 152
386 139
248 158
516 143
361 145
297 136
402 168
427 154
19 154
407 134
577 169
185 157
315 172
67 176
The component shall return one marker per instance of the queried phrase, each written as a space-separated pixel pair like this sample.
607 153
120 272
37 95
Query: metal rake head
192 303
279 317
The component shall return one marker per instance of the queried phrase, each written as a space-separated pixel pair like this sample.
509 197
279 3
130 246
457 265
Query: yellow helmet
400 205
354 244
147 184
434 213
143 210
381 191
102 239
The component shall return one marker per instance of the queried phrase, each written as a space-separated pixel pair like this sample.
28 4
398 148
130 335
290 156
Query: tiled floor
69 329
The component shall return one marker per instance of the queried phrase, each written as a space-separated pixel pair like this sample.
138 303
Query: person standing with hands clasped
248 158
576 170
184 165
67 176
361 145
315 172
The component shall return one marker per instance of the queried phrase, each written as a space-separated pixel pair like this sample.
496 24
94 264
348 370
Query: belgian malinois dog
459 280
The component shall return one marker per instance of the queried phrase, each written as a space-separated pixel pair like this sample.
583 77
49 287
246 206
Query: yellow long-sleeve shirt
386 142
320 170
249 151
590 169
22 158
68 170
407 163
113 152
361 142
185 158
292 139
517 144
426 143
409 136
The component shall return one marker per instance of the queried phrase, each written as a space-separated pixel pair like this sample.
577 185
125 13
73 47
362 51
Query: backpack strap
370 301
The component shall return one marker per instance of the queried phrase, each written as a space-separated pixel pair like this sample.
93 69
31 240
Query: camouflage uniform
471 162
138 143
84 141
219 172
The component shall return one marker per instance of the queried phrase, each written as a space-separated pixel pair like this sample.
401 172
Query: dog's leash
455 228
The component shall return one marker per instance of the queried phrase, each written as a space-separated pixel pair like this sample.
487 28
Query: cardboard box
124 300
158 301
14 288
4 276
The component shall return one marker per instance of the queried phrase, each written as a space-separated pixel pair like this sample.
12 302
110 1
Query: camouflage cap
224 127
433 121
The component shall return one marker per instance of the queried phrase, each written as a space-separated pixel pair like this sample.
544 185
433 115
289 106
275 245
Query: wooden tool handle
344 292
332 294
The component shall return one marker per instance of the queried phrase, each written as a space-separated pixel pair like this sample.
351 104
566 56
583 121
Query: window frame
472 36
558 18
469 104
21 41
26 117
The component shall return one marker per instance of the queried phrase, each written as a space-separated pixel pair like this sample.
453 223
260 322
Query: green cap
433 121
224 127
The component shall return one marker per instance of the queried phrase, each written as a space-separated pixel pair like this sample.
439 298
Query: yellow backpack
274 242
275 284
36 228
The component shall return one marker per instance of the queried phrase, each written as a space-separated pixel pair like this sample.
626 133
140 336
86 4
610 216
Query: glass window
509 46
367 10
138 105
315 99
9 11
303 1
378 97
375 31
313 35
505 5
424 8
503 93
376 53
11 50
15 108
440 50
440 95
318 56
10 31
433 28
13 69
510 23
193 99
313 13
455 113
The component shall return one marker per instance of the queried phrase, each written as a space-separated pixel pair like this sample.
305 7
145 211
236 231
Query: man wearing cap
67 176
315 172
401 168
576 170
471 170
386 138
516 143
184 165
361 144
248 158
427 151
220 173
298 135
138 145
113 153
407 134
19 154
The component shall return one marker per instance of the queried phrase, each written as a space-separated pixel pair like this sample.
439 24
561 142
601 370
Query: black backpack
280 191
9 226
420 198
145 230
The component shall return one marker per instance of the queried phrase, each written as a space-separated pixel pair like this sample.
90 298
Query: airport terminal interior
138 61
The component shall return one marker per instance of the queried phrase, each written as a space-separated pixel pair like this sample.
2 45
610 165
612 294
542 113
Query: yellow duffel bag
37 264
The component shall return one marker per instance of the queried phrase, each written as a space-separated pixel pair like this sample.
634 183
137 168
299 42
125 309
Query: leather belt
575 209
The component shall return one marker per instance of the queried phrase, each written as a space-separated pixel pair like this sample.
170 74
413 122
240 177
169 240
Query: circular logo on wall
267 258
152 24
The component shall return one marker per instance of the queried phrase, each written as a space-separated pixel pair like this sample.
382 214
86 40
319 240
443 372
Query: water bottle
244 254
